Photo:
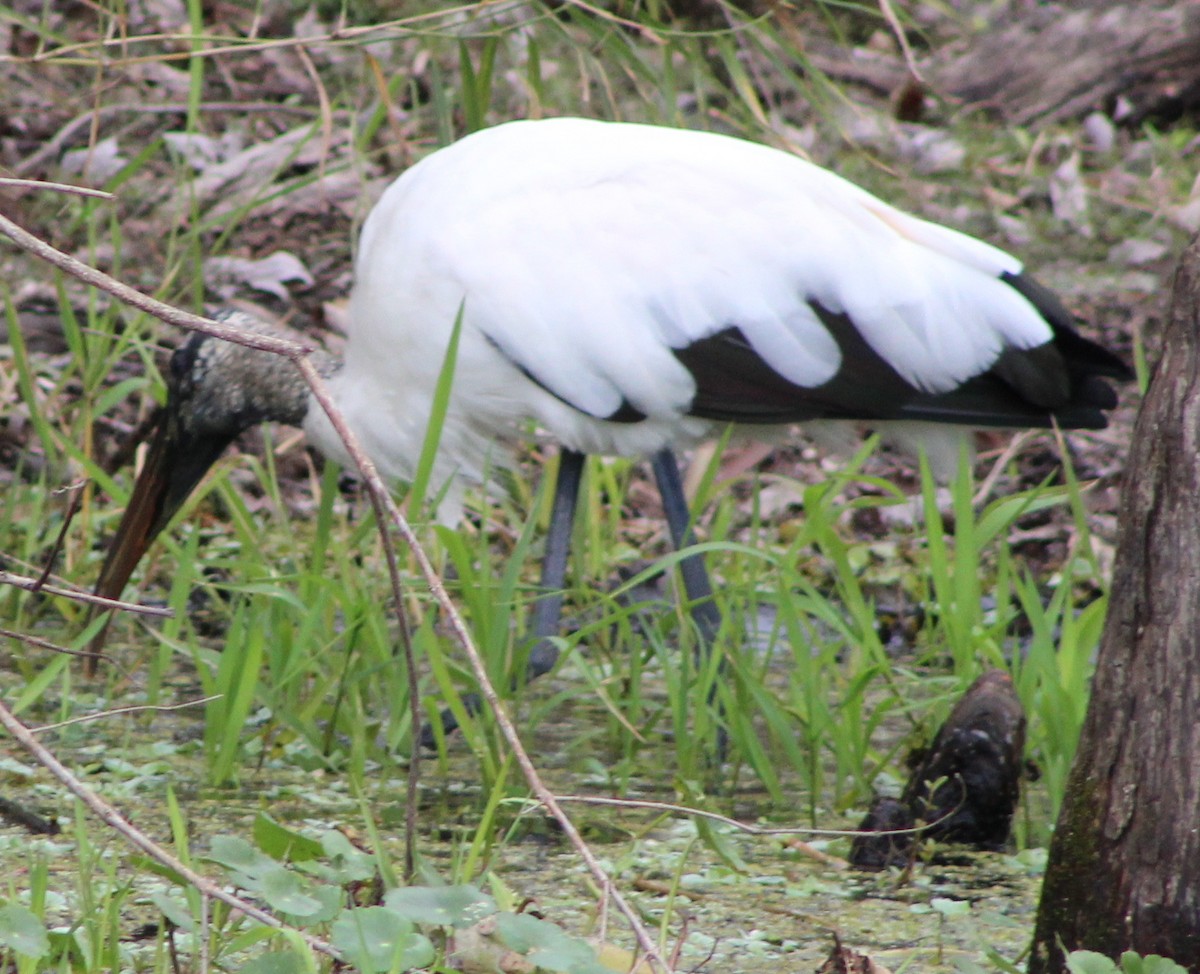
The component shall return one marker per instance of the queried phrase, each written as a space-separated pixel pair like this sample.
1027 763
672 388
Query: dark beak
174 465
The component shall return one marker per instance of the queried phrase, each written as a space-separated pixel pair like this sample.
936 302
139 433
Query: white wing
591 259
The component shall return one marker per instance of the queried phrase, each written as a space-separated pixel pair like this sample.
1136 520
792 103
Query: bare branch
116 711
68 188
115 820
36 585
733 823
386 511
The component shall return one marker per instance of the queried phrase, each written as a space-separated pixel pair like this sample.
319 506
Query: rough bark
1124 866
964 788
1061 61
1050 62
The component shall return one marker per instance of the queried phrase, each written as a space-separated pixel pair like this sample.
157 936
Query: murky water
743 904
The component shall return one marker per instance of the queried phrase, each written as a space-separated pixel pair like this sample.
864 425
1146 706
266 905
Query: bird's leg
696 582
695 576
547 613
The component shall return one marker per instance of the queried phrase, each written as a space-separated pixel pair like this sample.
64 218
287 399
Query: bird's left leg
696 582
547 612
695 575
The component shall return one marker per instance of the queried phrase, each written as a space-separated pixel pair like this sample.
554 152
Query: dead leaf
931 150
1137 251
235 182
203 151
225 275
1100 133
96 164
1069 197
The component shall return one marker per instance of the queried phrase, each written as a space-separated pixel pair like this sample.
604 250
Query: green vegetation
859 601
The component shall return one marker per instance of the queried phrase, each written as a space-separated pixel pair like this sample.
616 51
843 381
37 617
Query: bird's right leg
547 613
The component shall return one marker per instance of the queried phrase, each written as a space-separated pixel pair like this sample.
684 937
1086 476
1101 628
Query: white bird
633 289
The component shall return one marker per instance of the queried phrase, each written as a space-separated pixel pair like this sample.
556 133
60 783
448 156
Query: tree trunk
1060 61
1124 867
1046 63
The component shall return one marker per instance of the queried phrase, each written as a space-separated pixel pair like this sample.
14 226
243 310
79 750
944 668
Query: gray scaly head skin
215 390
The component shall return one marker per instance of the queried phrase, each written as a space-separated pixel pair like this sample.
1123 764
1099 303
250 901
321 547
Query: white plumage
632 289
583 254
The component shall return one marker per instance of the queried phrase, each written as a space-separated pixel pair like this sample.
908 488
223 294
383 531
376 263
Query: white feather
582 253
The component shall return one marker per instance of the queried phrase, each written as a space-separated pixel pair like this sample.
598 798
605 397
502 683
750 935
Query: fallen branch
37 585
136 837
386 511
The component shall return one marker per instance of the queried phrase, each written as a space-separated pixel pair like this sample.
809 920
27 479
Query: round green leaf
1090 962
546 945
283 892
443 906
376 939
174 908
347 864
1151 964
281 842
950 908
276 962
23 932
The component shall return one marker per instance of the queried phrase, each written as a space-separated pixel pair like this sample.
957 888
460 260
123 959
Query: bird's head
215 390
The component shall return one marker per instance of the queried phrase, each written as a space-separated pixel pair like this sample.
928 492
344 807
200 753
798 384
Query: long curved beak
175 463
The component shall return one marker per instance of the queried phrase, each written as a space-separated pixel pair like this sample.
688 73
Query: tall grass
297 640
312 631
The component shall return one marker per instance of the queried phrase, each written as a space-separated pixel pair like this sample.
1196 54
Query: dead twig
76 492
673 809
36 585
116 711
136 837
9 183
386 511
46 644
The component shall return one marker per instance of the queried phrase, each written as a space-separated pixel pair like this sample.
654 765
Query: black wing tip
1083 356
989 400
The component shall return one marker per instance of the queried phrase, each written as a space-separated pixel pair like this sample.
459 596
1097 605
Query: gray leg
548 610
547 613
696 582
695 576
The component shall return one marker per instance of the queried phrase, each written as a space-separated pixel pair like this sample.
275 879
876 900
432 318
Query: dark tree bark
1044 63
1124 867
965 786
1060 61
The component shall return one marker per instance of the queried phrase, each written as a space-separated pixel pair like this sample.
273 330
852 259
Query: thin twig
889 14
41 184
143 302
117 711
46 644
136 837
656 806
76 492
181 45
381 502
1014 446
34 585
381 498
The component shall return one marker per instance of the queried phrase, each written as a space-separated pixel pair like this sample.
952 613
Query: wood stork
633 289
